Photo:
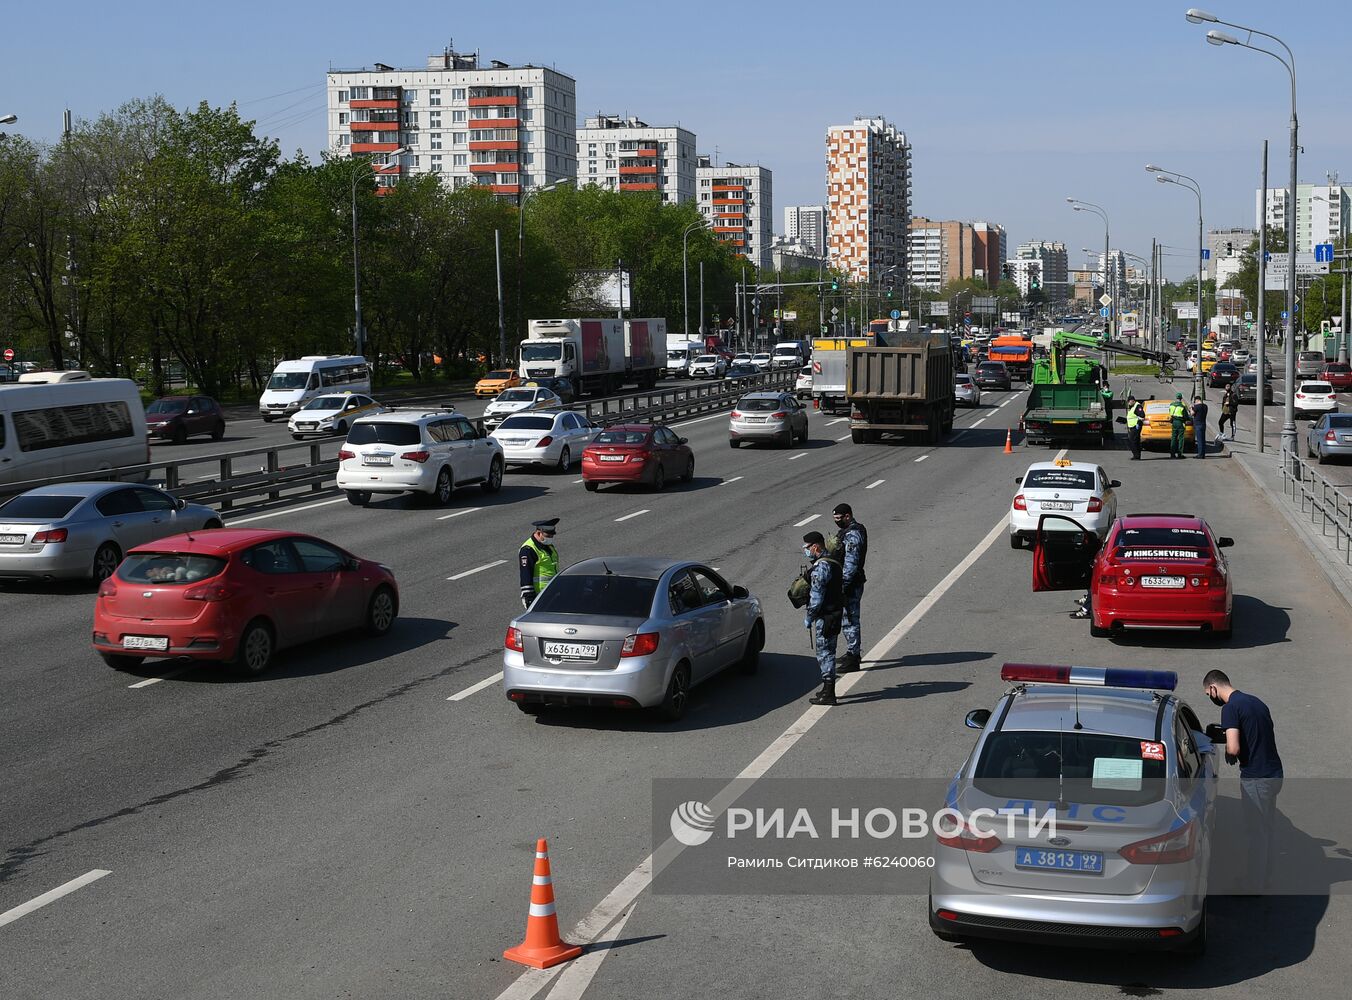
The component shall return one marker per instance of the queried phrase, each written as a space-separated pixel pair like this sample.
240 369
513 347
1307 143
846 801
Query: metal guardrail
1326 503
267 472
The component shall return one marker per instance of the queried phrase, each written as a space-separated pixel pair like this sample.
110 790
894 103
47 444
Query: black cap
815 538
843 508
546 526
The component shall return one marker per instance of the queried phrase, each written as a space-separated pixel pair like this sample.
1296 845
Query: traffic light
835 285
889 293
1036 283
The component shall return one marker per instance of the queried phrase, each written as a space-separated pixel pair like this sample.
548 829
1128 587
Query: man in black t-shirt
1249 740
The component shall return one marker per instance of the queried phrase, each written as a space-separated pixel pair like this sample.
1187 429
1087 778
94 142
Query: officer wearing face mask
538 560
824 606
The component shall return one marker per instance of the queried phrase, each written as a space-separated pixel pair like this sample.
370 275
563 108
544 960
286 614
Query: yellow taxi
1157 429
495 381
1208 345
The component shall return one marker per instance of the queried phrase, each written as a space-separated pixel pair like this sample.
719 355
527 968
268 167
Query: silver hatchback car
768 416
82 530
1133 791
629 632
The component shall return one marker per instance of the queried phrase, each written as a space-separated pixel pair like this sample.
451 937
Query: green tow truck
1069 399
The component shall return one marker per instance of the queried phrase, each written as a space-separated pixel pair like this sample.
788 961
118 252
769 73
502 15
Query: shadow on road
906 689
932 659
1256 623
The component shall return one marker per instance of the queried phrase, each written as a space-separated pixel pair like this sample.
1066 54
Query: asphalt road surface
360 821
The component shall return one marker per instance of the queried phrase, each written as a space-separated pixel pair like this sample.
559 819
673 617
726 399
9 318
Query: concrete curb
1339 575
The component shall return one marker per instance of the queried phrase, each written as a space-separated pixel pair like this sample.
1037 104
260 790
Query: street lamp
1183 180
1218 38
8 119
356 259
685 274
521 253
1089 206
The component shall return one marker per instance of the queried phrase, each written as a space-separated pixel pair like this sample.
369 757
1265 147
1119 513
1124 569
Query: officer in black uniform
538 559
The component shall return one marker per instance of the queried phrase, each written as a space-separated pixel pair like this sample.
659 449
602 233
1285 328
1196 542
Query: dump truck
1016 353
905 388
596 355
828 369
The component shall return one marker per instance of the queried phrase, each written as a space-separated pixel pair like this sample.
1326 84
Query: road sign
1248 315
1105 312
834 312
967 320
1206 253
937 308
895 314
1285 314
1323 252
9 354
1105 300
790 316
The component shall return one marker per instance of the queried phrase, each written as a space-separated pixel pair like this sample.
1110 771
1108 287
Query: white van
295 383
64 423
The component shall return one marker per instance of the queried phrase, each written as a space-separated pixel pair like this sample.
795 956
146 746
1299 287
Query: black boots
826 696
847 663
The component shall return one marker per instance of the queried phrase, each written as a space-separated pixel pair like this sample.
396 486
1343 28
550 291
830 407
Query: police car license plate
144 642
1163 582
377 460
11 539
570 650
1057 505
1061 861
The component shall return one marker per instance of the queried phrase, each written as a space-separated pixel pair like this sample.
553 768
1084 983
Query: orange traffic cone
1009 439
543 947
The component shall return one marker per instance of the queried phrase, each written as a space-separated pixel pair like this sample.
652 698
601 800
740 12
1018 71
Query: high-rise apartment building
1054 271
1226 244
806 224
1321 212
509 128
989 245
738 200
940 252
868 189
1116 271
625 154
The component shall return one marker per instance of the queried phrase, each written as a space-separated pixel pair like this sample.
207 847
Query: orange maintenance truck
1017 354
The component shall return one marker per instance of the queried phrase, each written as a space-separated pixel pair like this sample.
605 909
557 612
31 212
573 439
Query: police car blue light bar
1163 680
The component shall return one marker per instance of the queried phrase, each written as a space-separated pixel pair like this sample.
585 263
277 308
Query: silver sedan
1330 437
81 530
549 438
629 632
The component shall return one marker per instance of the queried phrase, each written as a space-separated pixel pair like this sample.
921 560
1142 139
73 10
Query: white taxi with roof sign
331 413
1079 489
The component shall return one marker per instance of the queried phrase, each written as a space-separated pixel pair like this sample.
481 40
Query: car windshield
527 424
382 433
167 568
326 403
516 396
498 376
1059 479
167 406
621 437
38 505
743 370
705 359
754 405
759 356
1162 543
288 380
1224 366
541 352
1316 387
785 351
620 596
1095 767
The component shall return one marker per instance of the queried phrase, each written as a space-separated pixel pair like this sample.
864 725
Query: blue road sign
1105 312
1267 255
895 314
967 320
1206 254
1323 253
1285 314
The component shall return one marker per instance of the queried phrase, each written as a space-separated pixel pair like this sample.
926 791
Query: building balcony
640 169
514 189
390 126
490 144
729 201
494 168
637 186
374 147
392 104
729 187
489 102
492 123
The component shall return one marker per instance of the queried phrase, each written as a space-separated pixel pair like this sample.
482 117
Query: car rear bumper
1337 449
765 432
210 636
1160 611
530 456
1024 523
641 680
387 480
619 472
50 562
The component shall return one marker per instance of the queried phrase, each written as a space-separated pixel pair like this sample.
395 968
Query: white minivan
67 423
295 383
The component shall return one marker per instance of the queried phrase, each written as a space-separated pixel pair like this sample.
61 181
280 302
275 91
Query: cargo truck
828 369
1016 353
906 388
597 356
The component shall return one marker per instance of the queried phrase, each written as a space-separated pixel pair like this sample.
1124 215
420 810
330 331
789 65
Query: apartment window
704 182
704 196
434 98
410 97
524 114
436 140
342 117
417 162
457 93
462 181
434 119
436 163
528 159
528 92
361 93
610 164
592 169
459 159
458 116
610 149
457 138
345 139
411 139
342 97
526 135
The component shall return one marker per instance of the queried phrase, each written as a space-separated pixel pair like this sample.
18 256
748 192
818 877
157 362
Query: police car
1111 782
331 414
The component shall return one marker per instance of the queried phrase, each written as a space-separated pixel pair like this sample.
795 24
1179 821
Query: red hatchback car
1337 374
1153 571
637 453
237 595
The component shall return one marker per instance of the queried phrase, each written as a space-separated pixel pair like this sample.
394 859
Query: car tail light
1199 581
640 644
218 590
1020 503
545 441
1330 436
108 588
856 415
967 839
1095 505
1166 849
344 454
642 456
514 641
50 537
417 456
778 416
736 415
1300 395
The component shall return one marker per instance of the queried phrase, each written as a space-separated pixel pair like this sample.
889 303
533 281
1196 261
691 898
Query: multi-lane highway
361 820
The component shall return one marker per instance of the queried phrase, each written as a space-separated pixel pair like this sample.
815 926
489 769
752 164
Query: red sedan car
237 595
1337 374
637 453
1153 571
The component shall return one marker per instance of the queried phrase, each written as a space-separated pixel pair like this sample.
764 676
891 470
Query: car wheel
734 443
677 698
254 653
340 428
659 478
268 420
105 561
441 493
1016 541
1099 633
180 434
565 461
297 437
358 498
689 472
218 431
591 487
494 481
1323 458
1196 947
119 661
857 437
750 661
381 611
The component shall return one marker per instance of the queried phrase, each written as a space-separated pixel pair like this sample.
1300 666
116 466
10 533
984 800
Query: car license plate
1164 582
11 539
753 420
570 650
144 642
1061 861
1057 505
610 458
377 460
1345 438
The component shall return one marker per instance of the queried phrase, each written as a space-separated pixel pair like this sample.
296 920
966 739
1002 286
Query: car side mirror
351 563
180 503
191 413
1224 542
682 440
1114 483
977 718
740 593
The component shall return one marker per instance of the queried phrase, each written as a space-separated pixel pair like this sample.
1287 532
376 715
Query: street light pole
685 275
1174 177
1262 309
521 245
1088 206
359 332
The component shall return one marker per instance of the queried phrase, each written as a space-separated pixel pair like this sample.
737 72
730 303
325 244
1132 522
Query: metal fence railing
1327 504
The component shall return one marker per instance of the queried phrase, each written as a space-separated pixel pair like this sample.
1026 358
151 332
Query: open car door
1063 554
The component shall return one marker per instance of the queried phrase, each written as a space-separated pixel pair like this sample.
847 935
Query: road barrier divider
1326 503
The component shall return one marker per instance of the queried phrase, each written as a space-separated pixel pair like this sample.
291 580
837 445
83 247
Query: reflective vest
1133 418
1177 411
546 563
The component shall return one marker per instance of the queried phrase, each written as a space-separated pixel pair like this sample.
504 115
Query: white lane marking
695 420
1266 417
636 513
794 458
838 420
877 482
978 423
473 688
575 481
167 675
846 437
1002 404
727 481
807 520
476 569
922 458
51 896
574 980
460 513
289 510
622 897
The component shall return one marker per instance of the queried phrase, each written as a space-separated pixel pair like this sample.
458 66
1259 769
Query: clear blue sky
1010 107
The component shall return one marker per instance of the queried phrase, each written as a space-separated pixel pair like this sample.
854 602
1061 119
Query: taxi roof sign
1063 463
1122 677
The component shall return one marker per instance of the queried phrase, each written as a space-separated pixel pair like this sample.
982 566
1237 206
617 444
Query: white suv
426 452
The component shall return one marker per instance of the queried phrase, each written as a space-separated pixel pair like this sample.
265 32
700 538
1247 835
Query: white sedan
511 401
331 414
1314 399
551 439
742 359
1079 490
762 361
708 366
